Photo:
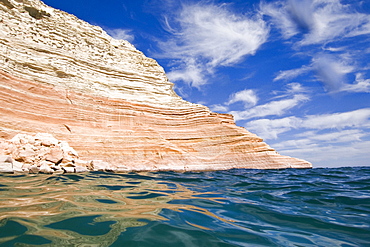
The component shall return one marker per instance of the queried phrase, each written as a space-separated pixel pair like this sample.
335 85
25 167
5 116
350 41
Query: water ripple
317 207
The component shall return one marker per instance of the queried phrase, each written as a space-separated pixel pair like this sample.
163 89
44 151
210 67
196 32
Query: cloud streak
206 36
119 33
319 21
328 155
317 24
247 96
333 72
293 73
271 128
360 85
273 108
335 139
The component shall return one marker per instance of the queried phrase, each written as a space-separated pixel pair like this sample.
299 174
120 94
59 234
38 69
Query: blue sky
295 72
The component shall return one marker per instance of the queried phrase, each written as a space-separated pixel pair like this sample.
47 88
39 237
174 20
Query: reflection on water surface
92 208
317 207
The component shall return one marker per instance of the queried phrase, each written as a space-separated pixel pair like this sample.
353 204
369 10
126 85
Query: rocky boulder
42 153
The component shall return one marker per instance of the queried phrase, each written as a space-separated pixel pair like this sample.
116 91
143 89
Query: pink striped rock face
109 101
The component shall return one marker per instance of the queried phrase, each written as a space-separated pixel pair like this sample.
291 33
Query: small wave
315 207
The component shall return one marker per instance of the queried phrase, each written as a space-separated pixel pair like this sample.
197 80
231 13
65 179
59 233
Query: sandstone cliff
63 76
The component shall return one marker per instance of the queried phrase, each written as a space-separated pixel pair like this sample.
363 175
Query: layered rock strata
61 75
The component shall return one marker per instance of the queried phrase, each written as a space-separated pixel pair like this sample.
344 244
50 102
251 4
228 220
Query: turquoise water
313 207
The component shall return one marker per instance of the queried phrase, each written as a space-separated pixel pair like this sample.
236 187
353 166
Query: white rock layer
59 49
112 104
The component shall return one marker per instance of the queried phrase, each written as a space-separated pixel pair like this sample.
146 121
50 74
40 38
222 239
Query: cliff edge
63 76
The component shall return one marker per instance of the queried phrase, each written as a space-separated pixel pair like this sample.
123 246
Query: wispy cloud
293 95
190 71
271 128
293 73
331 71
291 89
206 36
119 33
338 148
219 108
329 155
311 139
247 96
280 17
359 85
338 137
319 20
296 88
273 108
341 136
323 24
358 118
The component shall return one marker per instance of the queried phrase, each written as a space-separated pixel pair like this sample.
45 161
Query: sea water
310 207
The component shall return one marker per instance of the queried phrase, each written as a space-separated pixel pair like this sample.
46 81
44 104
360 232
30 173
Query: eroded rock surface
43 44
63 76
42 153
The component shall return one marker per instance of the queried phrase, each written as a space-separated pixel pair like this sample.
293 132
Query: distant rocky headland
73 99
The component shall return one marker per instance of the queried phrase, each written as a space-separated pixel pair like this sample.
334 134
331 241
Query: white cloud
335 49
343 136
323 23
119 33
247 96
291 89
192 73
336 136
274 108
292 96
295 88
362 29
208 36
280 17
319 20
219 108
271 128
331 71
293 73
326 140
357 118
360 85
328 155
